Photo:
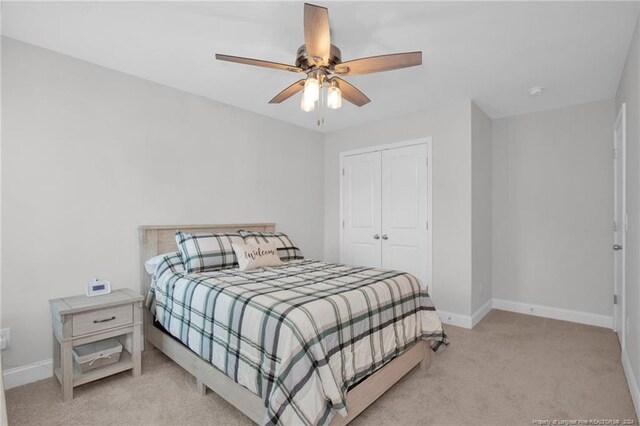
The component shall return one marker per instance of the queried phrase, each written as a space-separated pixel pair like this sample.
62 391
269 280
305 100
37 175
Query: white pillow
252 256
152 264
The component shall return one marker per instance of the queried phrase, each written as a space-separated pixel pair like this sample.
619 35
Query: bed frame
161 239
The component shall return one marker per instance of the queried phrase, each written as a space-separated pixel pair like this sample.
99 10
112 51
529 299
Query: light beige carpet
510 369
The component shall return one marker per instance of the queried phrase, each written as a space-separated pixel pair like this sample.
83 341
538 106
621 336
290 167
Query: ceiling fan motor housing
302 58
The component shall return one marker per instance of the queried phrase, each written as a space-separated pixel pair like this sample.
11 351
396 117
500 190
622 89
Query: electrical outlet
5 338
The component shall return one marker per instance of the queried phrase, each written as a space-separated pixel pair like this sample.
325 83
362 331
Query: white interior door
620 223
404 210
361 206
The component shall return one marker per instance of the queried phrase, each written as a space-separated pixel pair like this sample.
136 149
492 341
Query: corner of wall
481 212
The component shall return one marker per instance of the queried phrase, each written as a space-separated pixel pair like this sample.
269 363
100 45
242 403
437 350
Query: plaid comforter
297 335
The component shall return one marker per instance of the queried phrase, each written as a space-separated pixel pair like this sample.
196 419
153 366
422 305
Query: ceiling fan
322 63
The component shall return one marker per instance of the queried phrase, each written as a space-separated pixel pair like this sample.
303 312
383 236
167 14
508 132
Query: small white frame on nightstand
80 319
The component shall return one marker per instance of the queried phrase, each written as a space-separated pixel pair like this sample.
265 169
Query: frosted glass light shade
312 89
334 97
307 105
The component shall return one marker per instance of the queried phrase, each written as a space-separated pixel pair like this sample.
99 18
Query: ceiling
489 52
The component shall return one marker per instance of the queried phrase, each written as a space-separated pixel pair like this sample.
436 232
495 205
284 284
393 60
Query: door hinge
615 153
615 226
615 299
427 161
343 223
427 225
342 171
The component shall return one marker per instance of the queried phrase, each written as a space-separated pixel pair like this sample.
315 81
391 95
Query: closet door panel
361 206
404 210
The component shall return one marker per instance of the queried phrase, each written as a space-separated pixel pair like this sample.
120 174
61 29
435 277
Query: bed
314 371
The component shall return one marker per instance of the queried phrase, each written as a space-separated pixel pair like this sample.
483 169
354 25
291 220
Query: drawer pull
104 320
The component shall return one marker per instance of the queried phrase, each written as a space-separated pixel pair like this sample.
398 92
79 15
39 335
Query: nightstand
80 319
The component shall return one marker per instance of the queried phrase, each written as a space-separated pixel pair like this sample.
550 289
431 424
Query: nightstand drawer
102 319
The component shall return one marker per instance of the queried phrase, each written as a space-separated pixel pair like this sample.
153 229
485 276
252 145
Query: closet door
404 210
361 206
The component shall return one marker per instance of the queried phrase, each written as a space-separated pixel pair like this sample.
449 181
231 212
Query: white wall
450 128
629 92
552 208
89 154
481 206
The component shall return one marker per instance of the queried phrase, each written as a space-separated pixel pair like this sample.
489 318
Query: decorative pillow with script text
253 256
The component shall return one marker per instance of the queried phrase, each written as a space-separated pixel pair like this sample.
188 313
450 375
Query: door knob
384 237
376 237
615 246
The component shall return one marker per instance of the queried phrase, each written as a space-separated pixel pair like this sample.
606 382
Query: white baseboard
458 320
481 312
554 313
469 322
631 381
24 374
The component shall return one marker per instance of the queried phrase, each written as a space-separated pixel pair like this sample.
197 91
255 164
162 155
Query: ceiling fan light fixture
306 104
334 96
312 88
319 64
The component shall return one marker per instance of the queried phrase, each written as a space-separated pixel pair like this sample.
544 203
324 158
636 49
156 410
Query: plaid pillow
287 250
208 252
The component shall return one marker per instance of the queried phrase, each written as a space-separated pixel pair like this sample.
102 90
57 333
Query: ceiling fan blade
350 93
258 63
317 36
288 92
379 63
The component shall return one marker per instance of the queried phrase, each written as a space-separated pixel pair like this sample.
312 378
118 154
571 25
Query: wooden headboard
158 239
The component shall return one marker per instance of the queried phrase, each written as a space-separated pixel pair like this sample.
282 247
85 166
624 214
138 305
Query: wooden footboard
372 388
358 399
